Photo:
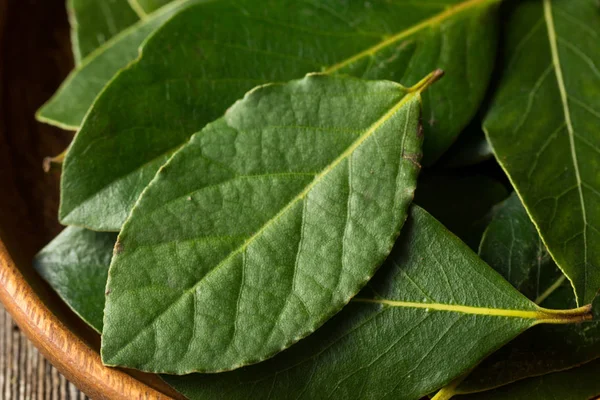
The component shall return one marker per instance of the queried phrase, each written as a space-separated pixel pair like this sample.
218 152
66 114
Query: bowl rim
75 359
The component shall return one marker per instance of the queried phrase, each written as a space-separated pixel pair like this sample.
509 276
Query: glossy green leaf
69 105
432 297
264 225
543 127
580 383
94 22
206 57
462 203
512 246
76 264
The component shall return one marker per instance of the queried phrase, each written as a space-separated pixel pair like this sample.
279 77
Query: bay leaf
69 105
543 127
462 203
76 264
512 246
264 225
348 337
579 383
398 339
204 58
94 22
146 7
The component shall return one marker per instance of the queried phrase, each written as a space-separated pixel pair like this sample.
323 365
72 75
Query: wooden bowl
35 56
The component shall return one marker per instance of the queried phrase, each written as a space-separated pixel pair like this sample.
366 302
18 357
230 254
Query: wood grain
24 373
35 57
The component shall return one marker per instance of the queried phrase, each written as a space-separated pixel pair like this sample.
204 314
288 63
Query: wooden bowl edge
64 349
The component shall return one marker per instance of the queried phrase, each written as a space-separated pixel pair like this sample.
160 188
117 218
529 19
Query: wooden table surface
24 373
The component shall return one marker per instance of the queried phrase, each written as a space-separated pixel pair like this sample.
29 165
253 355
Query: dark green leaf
206 57
543 127
94 22
461 203
421 232
512 246
432 297
145 7
71 102
76 264
580 383
264 225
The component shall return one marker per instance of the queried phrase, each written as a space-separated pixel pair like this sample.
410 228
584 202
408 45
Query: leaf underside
543 127
196 65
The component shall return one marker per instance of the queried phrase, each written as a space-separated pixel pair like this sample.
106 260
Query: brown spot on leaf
413 158
118 248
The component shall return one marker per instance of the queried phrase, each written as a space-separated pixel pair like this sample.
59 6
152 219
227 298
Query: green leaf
268 221
432 297
580 383
76 264
512 246
206 57
69 105
421 231
461 203
94 22
145 7
543 127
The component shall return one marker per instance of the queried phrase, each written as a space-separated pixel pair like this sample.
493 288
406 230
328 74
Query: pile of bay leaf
238 195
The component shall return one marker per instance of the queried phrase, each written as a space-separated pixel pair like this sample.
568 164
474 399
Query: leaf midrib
435 20
409 95
553 40
539 314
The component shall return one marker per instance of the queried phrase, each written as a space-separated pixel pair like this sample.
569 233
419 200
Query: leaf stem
51 163
448 391
429 80
540 316
571 316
